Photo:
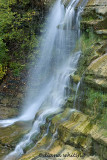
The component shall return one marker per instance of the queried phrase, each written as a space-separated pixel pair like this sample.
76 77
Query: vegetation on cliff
20 24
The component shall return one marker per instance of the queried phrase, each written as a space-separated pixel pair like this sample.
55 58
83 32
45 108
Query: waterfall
76 93
50 76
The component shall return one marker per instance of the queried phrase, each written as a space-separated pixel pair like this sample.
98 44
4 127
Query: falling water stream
50 76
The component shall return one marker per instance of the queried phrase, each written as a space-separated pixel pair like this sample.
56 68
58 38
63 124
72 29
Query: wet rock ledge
76 135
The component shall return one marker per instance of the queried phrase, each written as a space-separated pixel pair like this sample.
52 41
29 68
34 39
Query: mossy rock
97 72
76 78
95 15
70 102
102 32
100 6
11 135
76 134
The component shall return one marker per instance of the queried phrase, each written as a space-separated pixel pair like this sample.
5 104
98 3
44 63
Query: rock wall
95 16
76 138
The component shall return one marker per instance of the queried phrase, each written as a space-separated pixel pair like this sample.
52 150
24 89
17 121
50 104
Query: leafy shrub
96 103
88 47
95 100
3 52
2 71
16 68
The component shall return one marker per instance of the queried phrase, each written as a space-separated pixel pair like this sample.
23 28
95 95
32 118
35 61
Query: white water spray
76 94
42 78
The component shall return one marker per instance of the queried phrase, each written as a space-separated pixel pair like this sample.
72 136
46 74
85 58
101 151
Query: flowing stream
50 76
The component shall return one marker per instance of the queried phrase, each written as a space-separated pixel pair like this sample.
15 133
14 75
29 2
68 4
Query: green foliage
16 67
96 102
88 46
2 71
95 99
103 121
3 52
91 16
19 22
88 40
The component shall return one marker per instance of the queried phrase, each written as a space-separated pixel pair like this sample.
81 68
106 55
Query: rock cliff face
92 65
95 16
10 136
77 137
97 72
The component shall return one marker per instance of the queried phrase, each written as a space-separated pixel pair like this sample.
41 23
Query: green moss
88 127
96 99
96 102
76 78
103 119
90 14
104 37
11 135
88 46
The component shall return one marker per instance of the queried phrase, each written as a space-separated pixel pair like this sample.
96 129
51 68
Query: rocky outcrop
93 60
10 136
92 70
95 15
96 73
99 6
76 136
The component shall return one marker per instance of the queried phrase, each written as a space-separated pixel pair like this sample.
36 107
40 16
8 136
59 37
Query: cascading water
78 85
50 77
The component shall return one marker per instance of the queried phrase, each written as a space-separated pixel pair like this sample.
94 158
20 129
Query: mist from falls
49 81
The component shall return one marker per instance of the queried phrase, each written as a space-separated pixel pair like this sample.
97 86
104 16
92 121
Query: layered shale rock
10 136
76 136
97 72
95 15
